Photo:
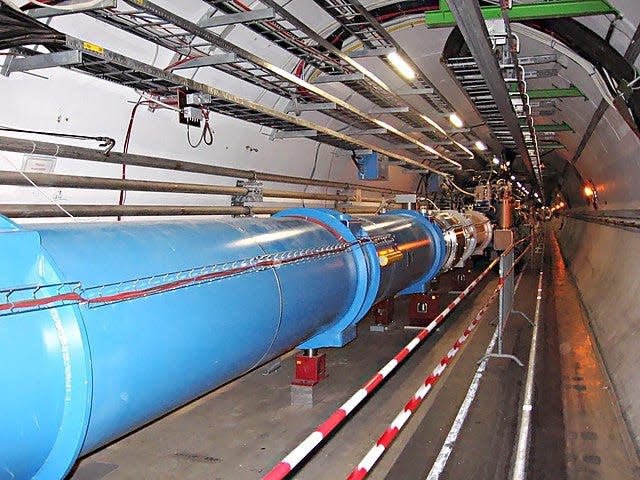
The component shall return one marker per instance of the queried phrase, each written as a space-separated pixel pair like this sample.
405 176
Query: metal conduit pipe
101 183
52 211
100 319
19 145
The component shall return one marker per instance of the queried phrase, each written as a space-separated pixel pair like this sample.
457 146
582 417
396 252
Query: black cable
313 170
107 142
206 136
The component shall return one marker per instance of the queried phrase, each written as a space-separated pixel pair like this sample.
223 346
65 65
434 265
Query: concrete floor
243 429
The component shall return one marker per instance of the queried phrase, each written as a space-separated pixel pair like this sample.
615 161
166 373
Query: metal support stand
505 306
311 368
382 314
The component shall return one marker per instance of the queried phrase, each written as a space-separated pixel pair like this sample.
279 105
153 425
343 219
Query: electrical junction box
373 166
502 239
434 183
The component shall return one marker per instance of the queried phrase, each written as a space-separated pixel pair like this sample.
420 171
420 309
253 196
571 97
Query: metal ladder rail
289 34
346 113
360 23
104 64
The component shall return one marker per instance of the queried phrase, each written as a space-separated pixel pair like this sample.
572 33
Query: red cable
134 294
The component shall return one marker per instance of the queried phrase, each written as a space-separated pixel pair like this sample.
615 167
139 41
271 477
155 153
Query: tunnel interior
195 189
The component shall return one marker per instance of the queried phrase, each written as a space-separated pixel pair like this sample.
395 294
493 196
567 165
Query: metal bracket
43 60
372 52
347 77
242 17
55 12
297 108
209 60
254 193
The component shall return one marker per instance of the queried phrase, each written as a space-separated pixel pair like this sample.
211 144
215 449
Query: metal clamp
253 194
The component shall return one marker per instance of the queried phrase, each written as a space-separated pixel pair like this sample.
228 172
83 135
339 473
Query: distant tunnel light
480 146
401 65
455 120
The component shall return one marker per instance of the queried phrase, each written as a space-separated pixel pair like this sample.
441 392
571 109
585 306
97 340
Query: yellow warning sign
92 47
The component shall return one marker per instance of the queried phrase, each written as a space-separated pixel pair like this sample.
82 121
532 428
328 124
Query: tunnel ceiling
593 54
597 78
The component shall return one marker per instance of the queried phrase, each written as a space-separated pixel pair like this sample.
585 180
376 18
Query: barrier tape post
505 304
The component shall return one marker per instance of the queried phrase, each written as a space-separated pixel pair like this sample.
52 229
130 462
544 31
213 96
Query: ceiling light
496 161
401 65
480 146
455 120
513 177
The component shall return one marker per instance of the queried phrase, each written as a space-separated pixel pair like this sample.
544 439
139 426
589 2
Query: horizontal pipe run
99 183
282 469
19 145
49 211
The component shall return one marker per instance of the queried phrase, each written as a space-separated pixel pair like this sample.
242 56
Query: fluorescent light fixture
401 65
535 194
513 177
455 120
433 124
480 146
496 161
519 184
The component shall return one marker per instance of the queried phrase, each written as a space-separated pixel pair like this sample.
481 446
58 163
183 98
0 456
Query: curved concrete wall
604 263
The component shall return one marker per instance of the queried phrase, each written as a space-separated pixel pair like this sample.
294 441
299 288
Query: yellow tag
92 47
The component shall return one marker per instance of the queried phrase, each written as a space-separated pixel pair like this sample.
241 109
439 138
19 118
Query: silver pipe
19 145
49 211
100 183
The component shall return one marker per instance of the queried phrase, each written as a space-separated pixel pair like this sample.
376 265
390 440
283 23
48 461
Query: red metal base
423 308
461 276
310 370
382 312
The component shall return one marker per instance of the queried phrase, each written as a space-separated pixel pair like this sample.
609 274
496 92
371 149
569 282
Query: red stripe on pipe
373 383
412 404
331 422
280 471
387 436
358 474
402 354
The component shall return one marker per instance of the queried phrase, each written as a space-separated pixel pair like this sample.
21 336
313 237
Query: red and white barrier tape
282 469
392 431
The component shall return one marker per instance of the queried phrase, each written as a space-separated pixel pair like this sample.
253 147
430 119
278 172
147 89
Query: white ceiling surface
70 102
103 108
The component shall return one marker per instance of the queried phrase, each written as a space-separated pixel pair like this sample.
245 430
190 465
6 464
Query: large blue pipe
112 325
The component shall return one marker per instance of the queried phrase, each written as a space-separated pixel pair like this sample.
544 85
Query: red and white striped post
288 463
392 431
